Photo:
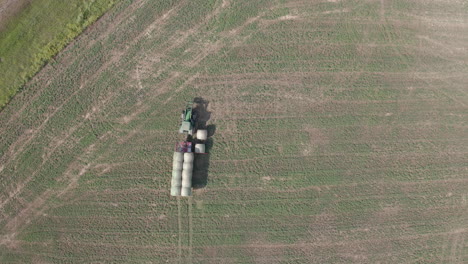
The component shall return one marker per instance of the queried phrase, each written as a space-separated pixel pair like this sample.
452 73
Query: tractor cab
186 127
188 120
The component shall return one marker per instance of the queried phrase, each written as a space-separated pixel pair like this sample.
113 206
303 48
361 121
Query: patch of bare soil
24 217
316 138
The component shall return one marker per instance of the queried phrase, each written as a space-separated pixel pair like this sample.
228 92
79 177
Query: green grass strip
37 34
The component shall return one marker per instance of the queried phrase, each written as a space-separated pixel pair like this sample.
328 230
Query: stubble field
341 136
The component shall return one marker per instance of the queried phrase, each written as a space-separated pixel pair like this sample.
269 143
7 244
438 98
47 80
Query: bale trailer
184 153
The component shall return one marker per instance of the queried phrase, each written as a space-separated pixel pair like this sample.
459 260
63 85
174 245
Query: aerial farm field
341 136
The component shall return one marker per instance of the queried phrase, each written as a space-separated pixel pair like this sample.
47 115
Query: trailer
184 153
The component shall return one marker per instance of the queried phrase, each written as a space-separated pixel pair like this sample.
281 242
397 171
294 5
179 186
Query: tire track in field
451 51
175 42
34 209
190 202
111 24
37 207
453 246
202 53
382 10
179 222
21 185
115 57
457 245
60 142
13 154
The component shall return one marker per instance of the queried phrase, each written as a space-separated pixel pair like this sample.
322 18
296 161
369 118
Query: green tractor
188 120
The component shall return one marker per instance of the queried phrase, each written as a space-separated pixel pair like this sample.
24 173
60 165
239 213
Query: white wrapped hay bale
187 166
177 166
178 156
199 148
175 191
187 178
186 189
186 192
188 157
202 134
176 180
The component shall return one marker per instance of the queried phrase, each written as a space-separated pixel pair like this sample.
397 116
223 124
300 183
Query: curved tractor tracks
185 229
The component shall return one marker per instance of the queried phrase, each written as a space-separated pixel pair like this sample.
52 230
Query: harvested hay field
341 136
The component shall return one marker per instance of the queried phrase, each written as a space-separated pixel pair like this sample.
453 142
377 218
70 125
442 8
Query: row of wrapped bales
177 166
202 135
187 171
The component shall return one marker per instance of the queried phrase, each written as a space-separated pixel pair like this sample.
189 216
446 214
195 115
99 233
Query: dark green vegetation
340 136
37 33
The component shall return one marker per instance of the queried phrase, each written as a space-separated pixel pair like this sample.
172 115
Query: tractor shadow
202 161
201 166
201 111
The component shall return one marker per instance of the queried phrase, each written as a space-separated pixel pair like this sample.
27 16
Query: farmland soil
337 135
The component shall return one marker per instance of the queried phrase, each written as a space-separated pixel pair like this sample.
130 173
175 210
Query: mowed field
341 136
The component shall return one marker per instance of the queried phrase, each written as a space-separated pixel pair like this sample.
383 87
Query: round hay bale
202 134
188 157
175 191
177 175
186 183
186 192
187 166
187 174
178 156
177 166
187 178
176 183
199 148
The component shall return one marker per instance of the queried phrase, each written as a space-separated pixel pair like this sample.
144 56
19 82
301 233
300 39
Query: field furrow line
190 217
179 223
